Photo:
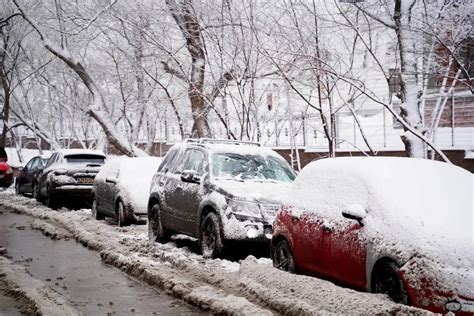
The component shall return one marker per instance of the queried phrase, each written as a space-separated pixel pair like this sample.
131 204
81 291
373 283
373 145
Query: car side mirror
190 176
355 212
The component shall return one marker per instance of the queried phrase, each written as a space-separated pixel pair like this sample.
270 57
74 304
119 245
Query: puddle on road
78 273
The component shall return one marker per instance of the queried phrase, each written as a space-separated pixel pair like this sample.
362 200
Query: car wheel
17 188
211 240
156 232
51 201
36 192
386 280
120 215
95 213
283 257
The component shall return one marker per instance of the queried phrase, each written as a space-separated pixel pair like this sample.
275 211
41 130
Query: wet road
92 287
8 306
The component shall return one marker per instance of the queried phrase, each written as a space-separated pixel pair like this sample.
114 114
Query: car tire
52 201
156 231
17 188
120 214
210 238
386 280
95 213
36 192
283 258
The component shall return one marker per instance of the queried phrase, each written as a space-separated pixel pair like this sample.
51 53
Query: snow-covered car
29 174
122 187
6 174
69 173
399 226
217 191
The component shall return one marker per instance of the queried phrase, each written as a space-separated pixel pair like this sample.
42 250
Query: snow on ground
220 286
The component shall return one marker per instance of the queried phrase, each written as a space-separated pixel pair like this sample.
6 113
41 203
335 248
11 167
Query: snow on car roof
404 184
67 152
231 148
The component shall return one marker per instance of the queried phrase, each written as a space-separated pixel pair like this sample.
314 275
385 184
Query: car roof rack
221 141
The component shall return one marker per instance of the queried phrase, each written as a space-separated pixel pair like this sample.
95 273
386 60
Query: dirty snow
219 286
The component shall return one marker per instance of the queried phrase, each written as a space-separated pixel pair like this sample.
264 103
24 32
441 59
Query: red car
399 226
6 174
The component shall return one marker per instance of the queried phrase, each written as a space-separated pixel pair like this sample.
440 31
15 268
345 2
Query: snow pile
415 209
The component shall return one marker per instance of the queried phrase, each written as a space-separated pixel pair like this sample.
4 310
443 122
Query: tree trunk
410 92
184 16
6 96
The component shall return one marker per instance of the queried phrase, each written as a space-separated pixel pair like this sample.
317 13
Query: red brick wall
463 111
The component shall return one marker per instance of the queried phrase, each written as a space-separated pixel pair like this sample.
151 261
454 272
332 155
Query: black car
29 175
217 191
69 173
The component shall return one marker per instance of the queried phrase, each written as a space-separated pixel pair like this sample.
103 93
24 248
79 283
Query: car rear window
85 159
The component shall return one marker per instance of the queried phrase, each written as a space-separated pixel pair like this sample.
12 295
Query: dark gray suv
217 190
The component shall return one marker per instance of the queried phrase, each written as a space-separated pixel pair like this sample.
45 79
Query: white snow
27 154
67 152
135 178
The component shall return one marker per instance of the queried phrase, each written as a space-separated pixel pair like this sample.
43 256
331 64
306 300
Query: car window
51 159
251 167
194 161
35 163
168 161
29 164
85 159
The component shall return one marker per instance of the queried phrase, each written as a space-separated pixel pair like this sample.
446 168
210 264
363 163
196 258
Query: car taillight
9 170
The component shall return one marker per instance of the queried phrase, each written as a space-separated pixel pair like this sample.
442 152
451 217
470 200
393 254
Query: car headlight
245 208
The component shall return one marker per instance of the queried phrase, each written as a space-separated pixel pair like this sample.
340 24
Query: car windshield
250 167
85 159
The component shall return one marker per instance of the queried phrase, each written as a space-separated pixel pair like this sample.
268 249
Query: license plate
85 180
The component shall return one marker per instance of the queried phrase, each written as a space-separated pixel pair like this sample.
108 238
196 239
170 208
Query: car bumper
439 289
247 229
6 180
79 190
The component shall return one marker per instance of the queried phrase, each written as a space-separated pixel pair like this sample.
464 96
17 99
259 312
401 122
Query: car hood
258 191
